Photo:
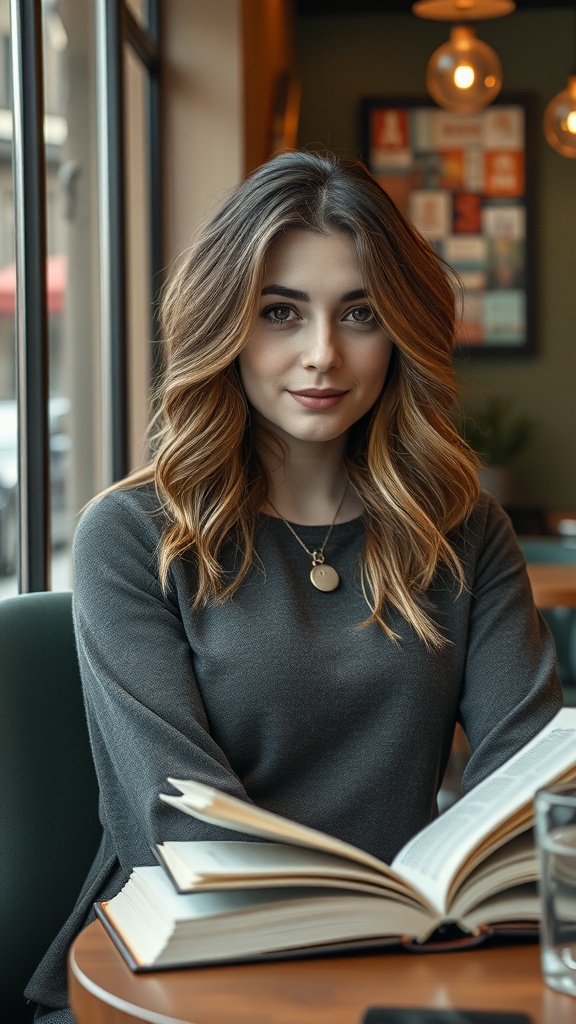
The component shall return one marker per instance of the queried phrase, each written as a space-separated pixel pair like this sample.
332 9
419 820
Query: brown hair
413 473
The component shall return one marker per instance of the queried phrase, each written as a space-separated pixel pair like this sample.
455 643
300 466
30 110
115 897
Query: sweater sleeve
510 688
145 713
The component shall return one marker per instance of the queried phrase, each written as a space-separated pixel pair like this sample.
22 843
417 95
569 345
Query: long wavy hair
415 476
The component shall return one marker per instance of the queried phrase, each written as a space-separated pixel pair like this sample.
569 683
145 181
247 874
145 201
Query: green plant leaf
495 433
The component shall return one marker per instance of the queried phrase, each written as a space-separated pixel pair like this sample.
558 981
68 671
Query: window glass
72 271
139 305
8 422
138 9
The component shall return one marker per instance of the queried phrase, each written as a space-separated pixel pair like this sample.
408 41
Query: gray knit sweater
277 697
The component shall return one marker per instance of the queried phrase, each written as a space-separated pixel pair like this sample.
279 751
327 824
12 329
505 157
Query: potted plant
497 435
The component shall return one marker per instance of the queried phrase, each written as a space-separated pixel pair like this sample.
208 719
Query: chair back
549 550
48 788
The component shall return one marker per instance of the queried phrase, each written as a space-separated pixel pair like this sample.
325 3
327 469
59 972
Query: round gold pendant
324 577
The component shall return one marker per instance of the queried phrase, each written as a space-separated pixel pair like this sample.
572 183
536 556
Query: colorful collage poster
461 180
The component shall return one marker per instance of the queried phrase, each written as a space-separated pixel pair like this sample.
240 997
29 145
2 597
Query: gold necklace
323 576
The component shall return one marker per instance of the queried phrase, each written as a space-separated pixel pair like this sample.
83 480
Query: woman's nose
321 351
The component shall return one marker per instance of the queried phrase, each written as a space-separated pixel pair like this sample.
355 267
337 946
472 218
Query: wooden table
553 585
103 990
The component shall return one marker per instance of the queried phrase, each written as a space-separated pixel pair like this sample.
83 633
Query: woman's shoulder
136 509
487 522
488 510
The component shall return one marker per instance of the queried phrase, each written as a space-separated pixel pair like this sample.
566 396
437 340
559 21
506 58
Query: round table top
327 991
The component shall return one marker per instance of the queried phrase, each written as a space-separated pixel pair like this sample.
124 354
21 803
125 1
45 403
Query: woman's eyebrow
287 293
293 293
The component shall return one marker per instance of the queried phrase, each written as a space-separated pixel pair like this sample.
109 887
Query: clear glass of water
556 838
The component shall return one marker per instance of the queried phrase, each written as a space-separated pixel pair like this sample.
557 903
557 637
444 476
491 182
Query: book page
213 865
220 808
434 857
520 903
515 863
160 927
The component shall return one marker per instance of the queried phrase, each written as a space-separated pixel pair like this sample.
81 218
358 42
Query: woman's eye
360 315
278 314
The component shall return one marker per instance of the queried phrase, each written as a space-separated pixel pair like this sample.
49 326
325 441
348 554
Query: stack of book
300 892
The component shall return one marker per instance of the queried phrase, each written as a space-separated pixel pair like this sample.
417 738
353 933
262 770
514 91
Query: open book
303 892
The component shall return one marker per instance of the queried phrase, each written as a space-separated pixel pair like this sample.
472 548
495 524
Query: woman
305 591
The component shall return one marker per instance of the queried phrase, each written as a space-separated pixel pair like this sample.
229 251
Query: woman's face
317 358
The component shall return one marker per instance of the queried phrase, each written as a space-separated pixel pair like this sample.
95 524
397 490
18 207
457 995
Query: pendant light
560 118
464 74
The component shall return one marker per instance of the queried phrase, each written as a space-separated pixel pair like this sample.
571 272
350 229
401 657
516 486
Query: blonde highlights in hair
414 475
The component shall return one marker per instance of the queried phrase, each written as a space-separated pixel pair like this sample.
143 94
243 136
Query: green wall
345 58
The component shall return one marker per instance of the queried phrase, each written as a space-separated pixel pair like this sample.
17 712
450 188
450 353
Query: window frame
115 25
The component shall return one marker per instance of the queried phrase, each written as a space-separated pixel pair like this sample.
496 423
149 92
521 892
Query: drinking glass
555 809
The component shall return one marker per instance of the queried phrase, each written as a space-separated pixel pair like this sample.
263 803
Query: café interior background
221 60
345 58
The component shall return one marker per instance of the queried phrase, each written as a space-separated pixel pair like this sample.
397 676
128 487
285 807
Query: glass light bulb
464 76
560 120
465 73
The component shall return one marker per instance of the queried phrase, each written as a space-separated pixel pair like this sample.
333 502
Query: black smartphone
402 1015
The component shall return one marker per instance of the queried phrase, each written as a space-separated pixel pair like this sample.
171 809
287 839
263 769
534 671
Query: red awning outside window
56 275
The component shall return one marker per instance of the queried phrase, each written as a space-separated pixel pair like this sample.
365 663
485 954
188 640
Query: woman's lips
318 398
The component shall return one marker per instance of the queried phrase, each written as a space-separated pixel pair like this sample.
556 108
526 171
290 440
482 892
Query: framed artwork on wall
464 180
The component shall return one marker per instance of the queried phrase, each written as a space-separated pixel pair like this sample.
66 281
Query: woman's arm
510 688
144 709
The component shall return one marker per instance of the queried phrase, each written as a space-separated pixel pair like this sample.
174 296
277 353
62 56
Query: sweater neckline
349 527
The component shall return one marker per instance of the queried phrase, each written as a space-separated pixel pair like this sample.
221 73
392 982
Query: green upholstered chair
48 792
550 550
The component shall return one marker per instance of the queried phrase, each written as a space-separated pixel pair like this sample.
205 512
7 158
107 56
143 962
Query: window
81 410
8 423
